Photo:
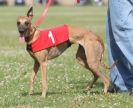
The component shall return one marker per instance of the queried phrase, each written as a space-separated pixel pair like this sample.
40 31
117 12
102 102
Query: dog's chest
50 37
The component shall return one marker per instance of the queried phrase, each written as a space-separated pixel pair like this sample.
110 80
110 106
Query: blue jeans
120 42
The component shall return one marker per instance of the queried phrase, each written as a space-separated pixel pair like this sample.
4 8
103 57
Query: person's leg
120 42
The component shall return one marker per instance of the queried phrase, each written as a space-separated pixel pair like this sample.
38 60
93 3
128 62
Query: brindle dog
89 53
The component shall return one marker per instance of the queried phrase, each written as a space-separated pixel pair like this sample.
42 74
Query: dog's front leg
33 75
44 78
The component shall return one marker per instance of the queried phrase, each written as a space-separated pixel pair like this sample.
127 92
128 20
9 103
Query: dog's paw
105 90
88 88
31 93
43 94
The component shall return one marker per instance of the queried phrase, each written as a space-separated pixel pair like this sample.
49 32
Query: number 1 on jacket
50 35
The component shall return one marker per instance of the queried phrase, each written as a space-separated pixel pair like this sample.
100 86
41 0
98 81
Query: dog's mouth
22 35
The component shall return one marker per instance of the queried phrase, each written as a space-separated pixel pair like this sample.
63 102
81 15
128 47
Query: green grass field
66 79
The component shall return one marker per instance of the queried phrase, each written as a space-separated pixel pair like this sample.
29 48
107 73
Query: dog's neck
32 35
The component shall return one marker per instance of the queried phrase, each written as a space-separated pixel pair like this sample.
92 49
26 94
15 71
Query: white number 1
50 35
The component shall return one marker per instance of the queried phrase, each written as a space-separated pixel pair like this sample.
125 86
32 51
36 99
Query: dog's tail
102 63
109 67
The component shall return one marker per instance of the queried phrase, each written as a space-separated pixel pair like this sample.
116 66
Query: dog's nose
21 31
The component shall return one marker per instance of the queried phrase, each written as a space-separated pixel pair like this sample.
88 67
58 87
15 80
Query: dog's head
24 24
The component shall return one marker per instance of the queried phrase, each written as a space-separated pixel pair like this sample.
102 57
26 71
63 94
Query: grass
66 79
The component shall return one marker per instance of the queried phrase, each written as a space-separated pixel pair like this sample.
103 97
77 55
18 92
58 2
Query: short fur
89 53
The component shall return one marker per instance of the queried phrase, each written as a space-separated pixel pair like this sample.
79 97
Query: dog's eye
26 23
18 23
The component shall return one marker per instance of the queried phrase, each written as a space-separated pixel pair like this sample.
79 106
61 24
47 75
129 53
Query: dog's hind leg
93 52
33 75
81 59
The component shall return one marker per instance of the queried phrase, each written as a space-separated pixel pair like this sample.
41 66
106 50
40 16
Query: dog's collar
28 47
33 31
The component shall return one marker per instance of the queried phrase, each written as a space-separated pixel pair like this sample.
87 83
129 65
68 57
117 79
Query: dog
89 53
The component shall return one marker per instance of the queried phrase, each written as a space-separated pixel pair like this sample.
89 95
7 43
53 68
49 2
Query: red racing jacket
50 37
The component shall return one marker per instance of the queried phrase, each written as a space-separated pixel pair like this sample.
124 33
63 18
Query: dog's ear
30 13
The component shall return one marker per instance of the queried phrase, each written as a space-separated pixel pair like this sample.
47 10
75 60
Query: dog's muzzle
22 28
22 31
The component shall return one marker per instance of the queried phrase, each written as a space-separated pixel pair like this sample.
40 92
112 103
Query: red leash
41 18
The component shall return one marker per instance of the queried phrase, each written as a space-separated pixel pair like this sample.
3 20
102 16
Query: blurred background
55 2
